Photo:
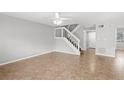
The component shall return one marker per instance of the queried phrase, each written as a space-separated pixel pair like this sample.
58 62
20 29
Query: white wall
21 38
105 40
62 46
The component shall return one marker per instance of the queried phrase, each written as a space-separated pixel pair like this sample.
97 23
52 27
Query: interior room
62 46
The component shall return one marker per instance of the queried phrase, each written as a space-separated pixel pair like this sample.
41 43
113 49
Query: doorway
91 39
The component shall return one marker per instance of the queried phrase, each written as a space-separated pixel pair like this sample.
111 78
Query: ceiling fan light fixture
57 22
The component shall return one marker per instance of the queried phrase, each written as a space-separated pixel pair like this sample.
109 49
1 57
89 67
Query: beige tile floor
60 66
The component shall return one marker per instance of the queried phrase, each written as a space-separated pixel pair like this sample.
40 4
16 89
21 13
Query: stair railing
65 33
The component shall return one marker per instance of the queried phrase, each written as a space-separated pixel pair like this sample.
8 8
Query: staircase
69 37
71 27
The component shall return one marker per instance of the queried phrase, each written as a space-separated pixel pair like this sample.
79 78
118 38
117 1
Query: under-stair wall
62 46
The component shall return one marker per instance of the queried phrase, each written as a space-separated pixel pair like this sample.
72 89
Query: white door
91 39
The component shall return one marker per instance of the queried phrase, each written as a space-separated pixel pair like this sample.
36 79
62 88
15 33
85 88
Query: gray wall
21 38
106 40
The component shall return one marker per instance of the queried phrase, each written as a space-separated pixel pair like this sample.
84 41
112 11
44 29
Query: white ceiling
84 18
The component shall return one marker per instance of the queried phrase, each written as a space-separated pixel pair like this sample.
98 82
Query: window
120 36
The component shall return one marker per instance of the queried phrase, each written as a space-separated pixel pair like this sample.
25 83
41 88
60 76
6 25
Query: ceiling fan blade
60 18
65 18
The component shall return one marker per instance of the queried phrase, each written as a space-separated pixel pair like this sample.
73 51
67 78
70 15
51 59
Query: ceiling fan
58 20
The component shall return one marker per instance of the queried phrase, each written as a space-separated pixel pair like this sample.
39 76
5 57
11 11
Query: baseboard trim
83 49
67 52
119 48
35 55
28 57
104 55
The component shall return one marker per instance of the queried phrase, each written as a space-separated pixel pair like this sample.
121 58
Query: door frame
87 37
